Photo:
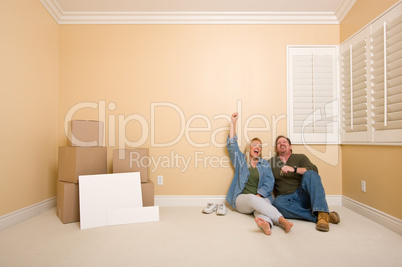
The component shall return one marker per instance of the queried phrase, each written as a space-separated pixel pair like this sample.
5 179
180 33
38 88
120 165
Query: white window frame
378 78
353 124
302 117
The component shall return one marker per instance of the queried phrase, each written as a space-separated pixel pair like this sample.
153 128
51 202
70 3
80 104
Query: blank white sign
102 192
133 215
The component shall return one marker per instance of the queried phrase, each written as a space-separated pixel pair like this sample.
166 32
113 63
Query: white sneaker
211 207
221 210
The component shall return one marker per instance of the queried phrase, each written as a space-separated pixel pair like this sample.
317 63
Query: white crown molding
62 17
53 8
343 9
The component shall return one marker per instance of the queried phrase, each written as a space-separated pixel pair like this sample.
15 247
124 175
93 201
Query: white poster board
109 199
133 215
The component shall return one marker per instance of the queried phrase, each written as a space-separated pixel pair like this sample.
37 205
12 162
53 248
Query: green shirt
252 182
287 183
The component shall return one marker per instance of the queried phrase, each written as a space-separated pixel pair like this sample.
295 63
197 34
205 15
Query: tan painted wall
379 166
202 70
28 136
199 69
361 14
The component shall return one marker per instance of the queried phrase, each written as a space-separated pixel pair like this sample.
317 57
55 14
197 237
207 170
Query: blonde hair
248 148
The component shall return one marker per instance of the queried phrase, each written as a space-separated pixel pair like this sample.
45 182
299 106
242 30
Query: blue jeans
306 201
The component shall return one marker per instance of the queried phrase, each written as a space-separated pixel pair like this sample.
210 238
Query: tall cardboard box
75 161
148 195
85 133
132 160
68 205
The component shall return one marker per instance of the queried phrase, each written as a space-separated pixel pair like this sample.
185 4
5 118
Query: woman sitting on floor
253 182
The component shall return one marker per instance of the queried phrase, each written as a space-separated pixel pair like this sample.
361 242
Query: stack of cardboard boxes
84 155
136 160
87 155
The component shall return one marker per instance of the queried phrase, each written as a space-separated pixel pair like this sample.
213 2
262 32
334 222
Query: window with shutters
386 77
370 87
313 94
371 82
354 98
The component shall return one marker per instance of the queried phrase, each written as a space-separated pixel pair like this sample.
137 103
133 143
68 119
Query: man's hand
287 169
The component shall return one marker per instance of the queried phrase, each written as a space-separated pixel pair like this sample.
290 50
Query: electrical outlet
160 180
363 186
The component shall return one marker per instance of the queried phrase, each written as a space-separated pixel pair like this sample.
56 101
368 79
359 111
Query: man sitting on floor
299 193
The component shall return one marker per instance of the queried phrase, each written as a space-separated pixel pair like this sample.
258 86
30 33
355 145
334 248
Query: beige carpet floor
185 236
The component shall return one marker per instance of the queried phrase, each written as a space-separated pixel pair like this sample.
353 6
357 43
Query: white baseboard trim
188 201
180 200
380 217
26 213
334 200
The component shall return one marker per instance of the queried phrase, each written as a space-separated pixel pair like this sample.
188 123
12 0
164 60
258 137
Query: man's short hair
276 143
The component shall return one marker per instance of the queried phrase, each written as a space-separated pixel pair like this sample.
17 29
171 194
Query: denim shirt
242 173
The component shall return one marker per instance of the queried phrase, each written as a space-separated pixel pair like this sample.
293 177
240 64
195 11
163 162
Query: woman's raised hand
235 116
232 131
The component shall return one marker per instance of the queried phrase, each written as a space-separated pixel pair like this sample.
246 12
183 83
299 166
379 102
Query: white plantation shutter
370 87
377 74
371 79
354 98
312 94
386 77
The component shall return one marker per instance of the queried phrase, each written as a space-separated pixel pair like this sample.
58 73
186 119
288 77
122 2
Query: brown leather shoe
322 222
334 217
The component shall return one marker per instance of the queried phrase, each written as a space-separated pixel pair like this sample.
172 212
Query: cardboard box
132 160
68 205
85 133
148 196
75 161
